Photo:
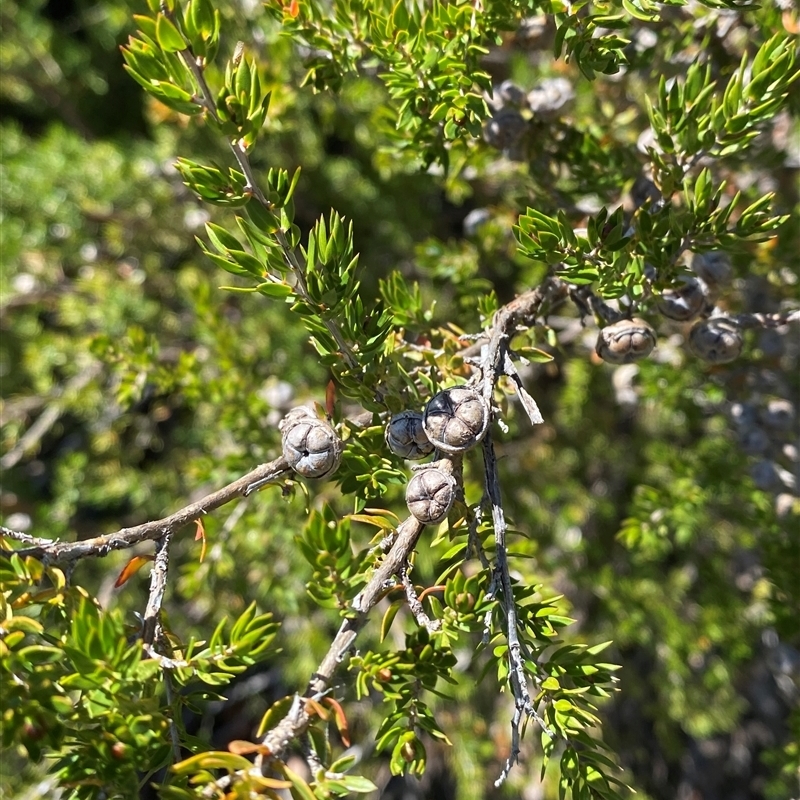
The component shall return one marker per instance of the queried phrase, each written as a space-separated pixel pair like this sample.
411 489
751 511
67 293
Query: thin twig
158 585
56 552
217 787
519 684
297 720
151 630
297 268
523 310
589 303
311 757
764 320
25 538
20 407
494 362
415 604
174 737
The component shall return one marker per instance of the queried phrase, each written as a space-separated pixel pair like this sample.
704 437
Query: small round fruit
713 267
504 129
406 437
684 302
625 341
310 445
456 419
430 495
716 340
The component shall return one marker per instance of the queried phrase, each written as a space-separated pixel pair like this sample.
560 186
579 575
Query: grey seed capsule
475 220
778 415
714 267
406 437
455 420
684 302
505 129
716 340
644 191
510 94
625 341
744 414
551 98
753 441
310 445
532 28
768 476
430 495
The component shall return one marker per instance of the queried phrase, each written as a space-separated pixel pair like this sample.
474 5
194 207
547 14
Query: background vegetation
659 498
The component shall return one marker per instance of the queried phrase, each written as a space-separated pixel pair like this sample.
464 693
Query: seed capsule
625 341
685 302
505 129
753 441
713 267
430 494
551 98
510 94
406 437
765 475
716 340
310 446
778 415
455 420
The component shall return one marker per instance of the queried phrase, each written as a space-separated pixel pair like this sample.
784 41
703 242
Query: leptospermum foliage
105 697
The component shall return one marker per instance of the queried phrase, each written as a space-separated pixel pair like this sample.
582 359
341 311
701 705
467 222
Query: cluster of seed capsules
514 109
715 339
765 431
453 421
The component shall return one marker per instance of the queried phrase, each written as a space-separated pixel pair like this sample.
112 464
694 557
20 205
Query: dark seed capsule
551 98
716 340
505 129
684 302
713 267
406 437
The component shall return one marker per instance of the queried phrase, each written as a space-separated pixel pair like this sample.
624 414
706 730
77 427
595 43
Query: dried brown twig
57 552
296 722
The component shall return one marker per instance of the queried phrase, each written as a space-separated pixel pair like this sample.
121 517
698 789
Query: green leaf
388 618
356 783
278 290
300 789
169 37
210 760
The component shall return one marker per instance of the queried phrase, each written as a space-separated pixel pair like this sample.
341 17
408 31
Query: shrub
505 179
